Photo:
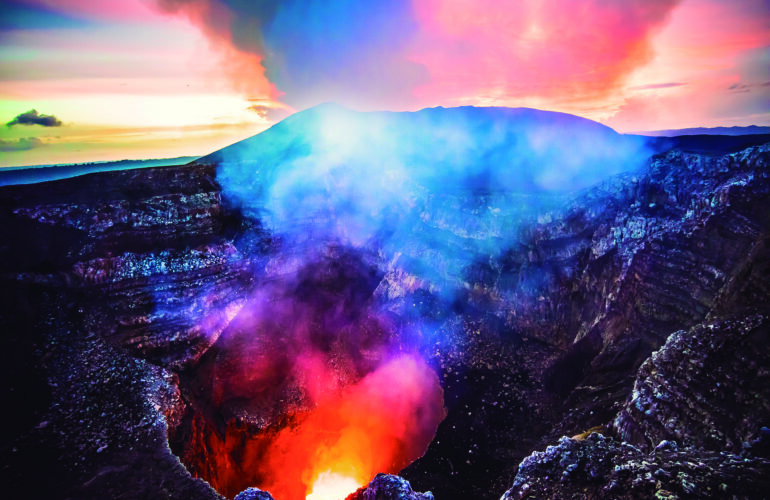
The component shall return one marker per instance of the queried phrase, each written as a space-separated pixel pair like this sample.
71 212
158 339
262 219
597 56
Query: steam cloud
311 346
436 189
352 200
32 117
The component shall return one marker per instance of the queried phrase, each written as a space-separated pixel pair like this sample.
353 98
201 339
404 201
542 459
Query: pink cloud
611 60
124 10
520 49
460 48
721 51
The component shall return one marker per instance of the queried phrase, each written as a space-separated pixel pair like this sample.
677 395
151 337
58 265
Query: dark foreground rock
695 426
599 467
389 487
86 419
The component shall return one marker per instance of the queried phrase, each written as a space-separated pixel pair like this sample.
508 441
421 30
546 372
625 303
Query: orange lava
332 486
310 392
380 424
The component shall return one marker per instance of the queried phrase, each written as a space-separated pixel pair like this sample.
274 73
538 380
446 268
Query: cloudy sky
82 80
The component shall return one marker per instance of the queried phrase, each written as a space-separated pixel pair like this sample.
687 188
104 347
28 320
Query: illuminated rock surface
134 301
253 494
387 487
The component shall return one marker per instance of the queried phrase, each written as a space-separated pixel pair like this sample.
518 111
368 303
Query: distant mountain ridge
42 173
732 131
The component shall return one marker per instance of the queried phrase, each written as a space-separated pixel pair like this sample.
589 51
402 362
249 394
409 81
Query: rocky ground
638 306
694 427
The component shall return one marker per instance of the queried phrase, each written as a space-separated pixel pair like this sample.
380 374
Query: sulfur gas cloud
435 189
333 381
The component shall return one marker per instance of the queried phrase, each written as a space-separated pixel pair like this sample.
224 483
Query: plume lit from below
380 424
311 390
316 385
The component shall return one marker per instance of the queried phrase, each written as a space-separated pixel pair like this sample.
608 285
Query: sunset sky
162 78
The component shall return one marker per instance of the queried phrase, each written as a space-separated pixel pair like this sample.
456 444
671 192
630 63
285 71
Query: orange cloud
430 51
243 67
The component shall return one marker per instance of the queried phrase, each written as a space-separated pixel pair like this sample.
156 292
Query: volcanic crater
176 332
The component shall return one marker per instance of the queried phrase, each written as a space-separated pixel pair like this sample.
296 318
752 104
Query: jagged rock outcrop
253 494
599 467
389 487
695 426
706 388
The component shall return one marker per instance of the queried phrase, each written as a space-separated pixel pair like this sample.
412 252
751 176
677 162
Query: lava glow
327 392
331 486
380 424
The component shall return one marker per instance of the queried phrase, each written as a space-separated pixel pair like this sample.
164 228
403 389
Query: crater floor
156 337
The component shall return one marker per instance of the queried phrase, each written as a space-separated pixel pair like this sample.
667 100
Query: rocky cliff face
590 295
694 427
102 282
122 293
144 246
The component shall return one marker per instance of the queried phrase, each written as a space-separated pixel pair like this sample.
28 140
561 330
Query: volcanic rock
253 494
121 296
153 250
706 388
388 487
693 428
601 467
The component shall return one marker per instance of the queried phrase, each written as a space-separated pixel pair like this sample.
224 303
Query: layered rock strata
116 288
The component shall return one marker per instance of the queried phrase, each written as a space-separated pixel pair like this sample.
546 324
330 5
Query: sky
164 78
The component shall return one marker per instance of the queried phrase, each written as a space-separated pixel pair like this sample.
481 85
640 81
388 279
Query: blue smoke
432 191
321 50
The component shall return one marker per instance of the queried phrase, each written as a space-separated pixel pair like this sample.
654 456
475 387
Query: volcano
474 302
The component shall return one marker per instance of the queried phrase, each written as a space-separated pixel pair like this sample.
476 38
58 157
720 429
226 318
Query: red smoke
309 390
243 67
380 424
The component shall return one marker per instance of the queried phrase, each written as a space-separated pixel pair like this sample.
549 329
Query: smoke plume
403 54
435 189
